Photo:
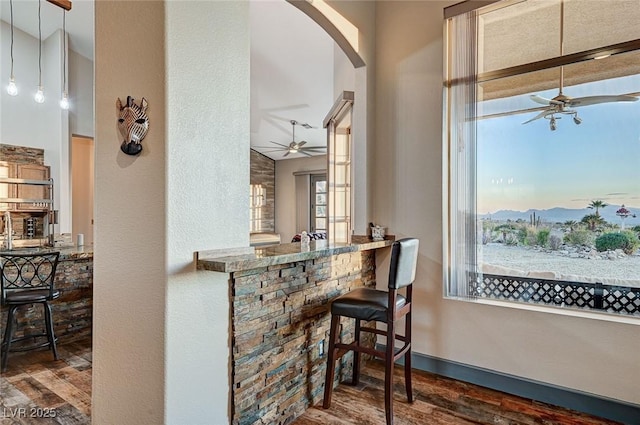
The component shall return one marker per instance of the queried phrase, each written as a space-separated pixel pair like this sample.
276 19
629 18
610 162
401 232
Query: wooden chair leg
355 379
407 359
388 372
331 361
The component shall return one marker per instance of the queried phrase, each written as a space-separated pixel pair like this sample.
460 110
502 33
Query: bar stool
28 279
380 306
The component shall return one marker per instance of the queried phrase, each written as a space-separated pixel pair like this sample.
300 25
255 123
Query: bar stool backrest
404 259
26 272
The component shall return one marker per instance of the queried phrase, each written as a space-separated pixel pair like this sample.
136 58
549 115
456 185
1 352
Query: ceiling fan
562 104
295 147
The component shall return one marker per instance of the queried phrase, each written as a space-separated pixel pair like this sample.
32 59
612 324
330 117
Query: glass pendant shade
64 102
39 97
12 89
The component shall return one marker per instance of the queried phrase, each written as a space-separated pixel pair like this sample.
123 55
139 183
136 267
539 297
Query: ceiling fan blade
286 153
540 115
594 100
301 143
279 144
544 101
304 153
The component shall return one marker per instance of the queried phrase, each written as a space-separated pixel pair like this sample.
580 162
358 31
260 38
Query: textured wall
280 316
207 46
130 219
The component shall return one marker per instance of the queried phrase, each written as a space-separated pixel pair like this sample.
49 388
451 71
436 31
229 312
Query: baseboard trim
616 410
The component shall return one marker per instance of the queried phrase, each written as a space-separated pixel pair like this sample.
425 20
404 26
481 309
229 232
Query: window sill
609 317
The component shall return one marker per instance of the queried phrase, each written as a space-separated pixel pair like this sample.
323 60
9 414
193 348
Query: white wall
161 329
208 189
344 74
286 191
583 353
80 95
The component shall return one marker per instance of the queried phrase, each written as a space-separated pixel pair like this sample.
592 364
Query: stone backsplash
21 154
280 319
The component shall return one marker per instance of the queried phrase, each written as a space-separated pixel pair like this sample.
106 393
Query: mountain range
560 215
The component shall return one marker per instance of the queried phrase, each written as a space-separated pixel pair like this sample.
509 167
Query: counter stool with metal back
380 306
28 279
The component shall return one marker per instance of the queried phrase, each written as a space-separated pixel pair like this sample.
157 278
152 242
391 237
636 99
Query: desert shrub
527 235
555 242
523 236
542 238
579 237
511 240
626 241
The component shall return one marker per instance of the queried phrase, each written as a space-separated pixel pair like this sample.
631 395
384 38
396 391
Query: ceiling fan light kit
562 104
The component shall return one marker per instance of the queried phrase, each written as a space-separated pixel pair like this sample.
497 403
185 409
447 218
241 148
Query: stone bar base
280 325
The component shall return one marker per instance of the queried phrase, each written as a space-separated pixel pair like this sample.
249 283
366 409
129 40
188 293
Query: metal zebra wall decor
133 124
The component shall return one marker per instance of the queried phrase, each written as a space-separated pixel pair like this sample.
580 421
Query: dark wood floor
35 381
437 401
38 390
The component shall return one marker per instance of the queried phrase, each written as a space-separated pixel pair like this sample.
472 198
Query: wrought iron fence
592 296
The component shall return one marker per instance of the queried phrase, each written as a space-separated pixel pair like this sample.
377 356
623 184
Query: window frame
462 276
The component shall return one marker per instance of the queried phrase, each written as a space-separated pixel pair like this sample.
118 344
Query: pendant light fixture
39 97
64 102
12 89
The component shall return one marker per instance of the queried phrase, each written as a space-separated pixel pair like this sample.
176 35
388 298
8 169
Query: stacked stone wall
280 319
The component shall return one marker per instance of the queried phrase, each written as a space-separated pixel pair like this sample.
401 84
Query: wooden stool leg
388 372
355 379
407 359
331 361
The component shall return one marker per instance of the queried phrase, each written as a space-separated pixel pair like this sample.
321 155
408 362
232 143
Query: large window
543 154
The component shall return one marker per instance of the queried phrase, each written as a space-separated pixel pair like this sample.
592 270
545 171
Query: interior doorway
82 163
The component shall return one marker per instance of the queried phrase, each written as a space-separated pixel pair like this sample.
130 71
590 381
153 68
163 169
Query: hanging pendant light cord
64 50
11 9
39 45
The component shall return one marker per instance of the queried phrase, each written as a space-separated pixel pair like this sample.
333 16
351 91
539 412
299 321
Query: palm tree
593 221
597 205
571 224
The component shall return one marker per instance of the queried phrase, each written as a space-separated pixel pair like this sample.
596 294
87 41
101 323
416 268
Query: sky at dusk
523 166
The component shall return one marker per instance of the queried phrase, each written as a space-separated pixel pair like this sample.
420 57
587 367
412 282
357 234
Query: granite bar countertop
285 253
66 253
